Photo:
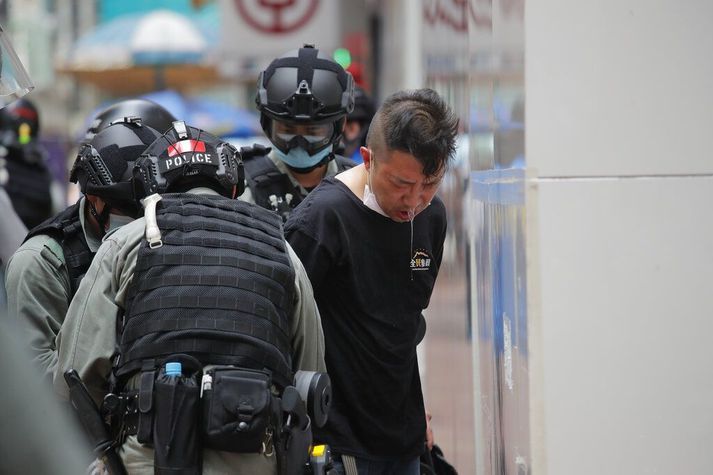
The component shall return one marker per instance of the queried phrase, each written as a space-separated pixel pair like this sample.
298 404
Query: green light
343 57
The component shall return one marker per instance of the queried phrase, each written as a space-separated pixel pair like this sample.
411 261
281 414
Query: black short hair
417 122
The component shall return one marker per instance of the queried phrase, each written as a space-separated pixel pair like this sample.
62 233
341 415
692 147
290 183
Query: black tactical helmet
151 114
305 87
104 165
19 123
363 107
185 157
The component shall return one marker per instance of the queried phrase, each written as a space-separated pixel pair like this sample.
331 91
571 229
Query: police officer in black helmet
44 273
151 114
303 98
30 184
357 125
208 283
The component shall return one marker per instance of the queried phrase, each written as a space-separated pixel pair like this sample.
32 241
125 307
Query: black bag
237 410
434 463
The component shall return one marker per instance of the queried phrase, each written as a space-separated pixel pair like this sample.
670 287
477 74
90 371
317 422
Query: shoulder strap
56 249
58 226
66 231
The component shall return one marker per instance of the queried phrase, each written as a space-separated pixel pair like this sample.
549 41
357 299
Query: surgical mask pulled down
370 201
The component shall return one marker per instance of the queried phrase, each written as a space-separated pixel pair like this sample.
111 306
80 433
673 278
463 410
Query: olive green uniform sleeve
307 336
38 292
12 231
87 338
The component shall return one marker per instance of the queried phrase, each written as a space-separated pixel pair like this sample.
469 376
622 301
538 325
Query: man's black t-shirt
372 277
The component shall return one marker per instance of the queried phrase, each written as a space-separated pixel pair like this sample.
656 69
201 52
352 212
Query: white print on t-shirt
420 260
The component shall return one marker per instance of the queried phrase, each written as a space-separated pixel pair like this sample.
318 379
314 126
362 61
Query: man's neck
355 179
310 179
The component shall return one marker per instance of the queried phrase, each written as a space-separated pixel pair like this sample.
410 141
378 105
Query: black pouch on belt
237 410
176 431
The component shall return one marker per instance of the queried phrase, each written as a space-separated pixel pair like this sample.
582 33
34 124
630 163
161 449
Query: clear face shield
14 80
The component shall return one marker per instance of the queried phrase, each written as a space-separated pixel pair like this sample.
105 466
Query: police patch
187 152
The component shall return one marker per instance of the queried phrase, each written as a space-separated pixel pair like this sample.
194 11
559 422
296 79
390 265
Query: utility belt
222 408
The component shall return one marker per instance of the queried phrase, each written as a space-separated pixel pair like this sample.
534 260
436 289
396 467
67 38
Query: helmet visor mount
97 180
312 138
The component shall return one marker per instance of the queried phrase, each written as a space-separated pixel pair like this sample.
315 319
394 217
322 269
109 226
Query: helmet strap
101 218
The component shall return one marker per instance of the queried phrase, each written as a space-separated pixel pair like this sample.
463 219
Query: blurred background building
569 331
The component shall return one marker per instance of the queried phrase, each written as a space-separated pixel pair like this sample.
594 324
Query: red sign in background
277 16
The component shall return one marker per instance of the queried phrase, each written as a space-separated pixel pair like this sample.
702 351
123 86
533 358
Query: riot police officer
44 273
151 113
207 282
357 125
30 182
303 98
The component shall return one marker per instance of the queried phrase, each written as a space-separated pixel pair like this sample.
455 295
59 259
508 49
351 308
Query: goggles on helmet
310 137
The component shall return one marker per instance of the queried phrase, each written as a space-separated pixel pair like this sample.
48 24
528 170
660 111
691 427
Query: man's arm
38 293
87 338
314 257
306 326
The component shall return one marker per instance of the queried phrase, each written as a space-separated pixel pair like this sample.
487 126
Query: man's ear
365 156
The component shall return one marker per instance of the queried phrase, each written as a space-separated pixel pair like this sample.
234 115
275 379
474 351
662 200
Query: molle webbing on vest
221 288
66 229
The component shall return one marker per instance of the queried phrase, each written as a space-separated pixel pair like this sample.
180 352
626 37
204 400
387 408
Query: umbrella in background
216 117
145 52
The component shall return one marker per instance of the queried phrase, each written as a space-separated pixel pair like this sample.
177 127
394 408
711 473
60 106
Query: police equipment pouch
176 438
237 410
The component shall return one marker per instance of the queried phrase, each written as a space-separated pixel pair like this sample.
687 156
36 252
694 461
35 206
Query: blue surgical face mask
116 221
298 158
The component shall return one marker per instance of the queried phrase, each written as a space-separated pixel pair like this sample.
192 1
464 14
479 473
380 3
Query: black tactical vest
220 288
66 229
265 181
29 189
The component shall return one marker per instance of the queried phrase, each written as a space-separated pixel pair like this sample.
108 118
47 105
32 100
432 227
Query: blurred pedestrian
34 435
13 230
